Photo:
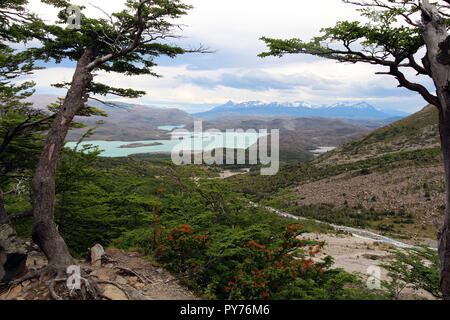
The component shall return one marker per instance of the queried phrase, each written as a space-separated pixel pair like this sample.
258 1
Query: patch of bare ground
122 275
356 255
419 191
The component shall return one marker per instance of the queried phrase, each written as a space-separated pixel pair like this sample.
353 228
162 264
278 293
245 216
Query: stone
139 285
132 280
97 252
103 274
136 295
13 255
114 293
121 280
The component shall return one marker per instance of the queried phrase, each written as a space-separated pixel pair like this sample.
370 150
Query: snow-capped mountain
348 110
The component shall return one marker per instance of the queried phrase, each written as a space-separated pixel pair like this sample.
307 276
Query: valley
389 181
152 150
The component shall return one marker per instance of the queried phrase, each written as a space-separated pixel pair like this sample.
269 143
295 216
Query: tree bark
2 206
435 34
444 233
45 233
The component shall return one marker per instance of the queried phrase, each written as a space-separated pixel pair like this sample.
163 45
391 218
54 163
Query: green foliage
390 38
117 43
377 41
276 273
294 174
21 126
182 251
417 269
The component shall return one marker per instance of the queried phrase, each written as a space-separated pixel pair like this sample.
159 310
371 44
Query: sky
232 28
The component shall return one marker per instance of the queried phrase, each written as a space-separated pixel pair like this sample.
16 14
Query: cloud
258 80
233 28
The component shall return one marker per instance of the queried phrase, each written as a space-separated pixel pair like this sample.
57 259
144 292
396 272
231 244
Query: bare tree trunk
45 233
444 233
2 206
437 62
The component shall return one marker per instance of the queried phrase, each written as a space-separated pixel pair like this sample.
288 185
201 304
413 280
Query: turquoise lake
170 128
181 141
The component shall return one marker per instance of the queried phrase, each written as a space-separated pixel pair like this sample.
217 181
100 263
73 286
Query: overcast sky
196 82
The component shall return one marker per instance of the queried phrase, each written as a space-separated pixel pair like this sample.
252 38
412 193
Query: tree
125 42
417 269
20 125
397 32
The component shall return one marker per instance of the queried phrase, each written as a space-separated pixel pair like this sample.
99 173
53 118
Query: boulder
104 274
13 255
121 280
97 252
114 293
136 295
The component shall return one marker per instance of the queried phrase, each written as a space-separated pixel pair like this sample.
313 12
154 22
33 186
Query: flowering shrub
181 250
269 273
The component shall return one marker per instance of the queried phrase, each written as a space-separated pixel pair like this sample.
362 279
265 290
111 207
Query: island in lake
140 145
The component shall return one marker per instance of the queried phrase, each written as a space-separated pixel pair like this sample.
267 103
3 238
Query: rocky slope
417 131
391 178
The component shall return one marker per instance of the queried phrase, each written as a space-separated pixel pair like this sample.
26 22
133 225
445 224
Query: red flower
231 283
265 294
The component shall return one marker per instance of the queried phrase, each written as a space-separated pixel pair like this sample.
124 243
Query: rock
121 280
132 280
36 260
136 295
114 293
97 252
13 255
104 274
139 285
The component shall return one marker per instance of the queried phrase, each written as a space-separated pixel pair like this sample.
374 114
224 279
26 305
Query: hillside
298 136
390 180
125 122
132 123
417 131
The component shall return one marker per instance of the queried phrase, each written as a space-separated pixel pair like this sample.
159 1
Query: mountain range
341 110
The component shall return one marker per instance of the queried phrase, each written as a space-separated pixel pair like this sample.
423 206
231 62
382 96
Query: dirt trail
356 255
138 277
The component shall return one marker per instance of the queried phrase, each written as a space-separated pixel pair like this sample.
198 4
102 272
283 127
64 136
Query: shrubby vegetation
293 174
417 269
198 228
